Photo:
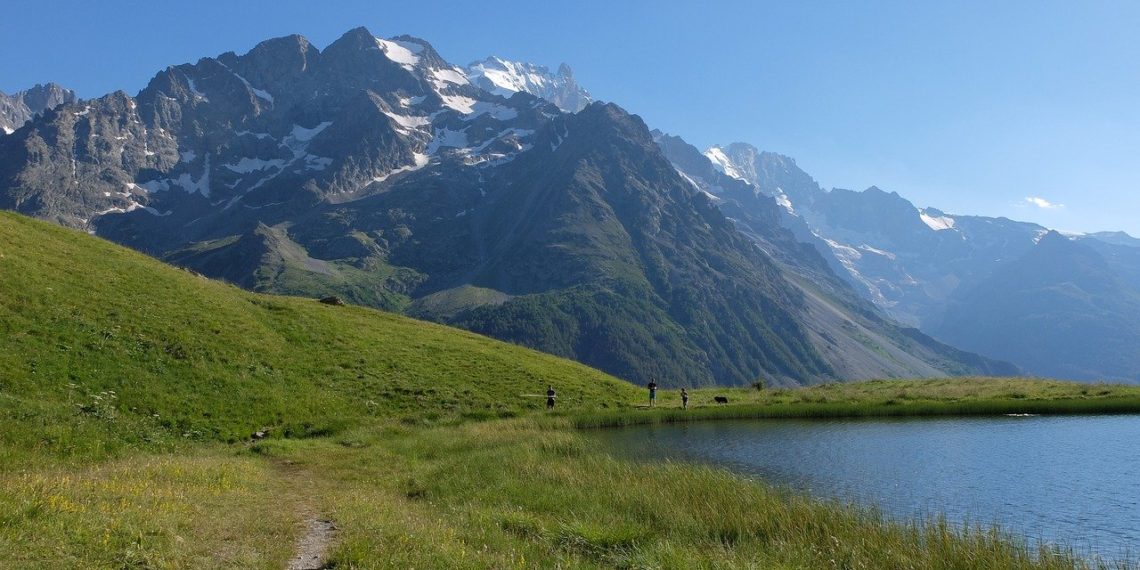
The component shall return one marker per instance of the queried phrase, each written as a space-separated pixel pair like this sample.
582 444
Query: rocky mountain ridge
19 108
376 170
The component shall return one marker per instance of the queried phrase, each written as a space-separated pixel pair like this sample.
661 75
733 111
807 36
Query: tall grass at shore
524 493
881 398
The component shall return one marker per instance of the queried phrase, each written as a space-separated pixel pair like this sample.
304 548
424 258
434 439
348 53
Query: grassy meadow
129 391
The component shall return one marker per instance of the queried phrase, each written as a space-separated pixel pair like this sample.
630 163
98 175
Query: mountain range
1056 305
375 170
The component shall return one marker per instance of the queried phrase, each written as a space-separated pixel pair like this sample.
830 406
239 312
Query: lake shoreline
880 398
1054 482
622 418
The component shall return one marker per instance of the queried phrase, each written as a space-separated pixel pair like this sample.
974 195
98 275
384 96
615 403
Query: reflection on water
1072 480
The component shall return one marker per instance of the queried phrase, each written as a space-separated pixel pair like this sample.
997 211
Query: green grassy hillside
101 346
122 379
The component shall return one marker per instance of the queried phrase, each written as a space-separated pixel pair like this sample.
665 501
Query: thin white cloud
1042 203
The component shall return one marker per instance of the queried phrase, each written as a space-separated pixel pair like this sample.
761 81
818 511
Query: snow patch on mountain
449 76
722 163
408 122
936 223
247 165
302 134
447 138
689 179
185 181
130 207
505 78
412 101
297 141
261 93
876 251
418 161
783 201
403 53
198 95
465 105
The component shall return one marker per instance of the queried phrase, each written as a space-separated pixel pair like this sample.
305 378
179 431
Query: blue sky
1021 109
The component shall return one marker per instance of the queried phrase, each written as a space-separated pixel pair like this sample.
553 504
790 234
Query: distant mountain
375 170
18 108
505 78
869 344
1057 307
1115 238
907 260
1060 310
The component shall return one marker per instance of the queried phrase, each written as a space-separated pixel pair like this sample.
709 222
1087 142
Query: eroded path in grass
313 547
317 532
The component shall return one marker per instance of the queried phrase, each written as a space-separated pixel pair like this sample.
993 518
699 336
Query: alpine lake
1068 481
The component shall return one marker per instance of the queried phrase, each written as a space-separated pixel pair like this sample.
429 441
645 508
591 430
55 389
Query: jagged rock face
282 124
375 170
755 214
506 78
19 108
75 163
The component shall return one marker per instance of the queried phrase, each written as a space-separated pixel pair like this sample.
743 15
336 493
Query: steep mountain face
377 171
19 108
907 260
1009 290
1119 250
505 78
1060 309
859 340
765 218
284 126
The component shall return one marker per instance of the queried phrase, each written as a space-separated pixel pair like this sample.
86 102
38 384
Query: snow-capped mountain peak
402 52
722 163
505 77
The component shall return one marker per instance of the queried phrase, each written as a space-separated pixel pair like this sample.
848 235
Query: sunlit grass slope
102 347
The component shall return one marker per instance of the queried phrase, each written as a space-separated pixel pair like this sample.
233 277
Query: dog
720 399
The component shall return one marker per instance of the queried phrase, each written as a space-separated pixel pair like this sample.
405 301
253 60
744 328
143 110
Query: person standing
684 399
652 392
550 395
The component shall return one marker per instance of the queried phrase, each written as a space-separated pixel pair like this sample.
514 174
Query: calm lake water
1069 480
